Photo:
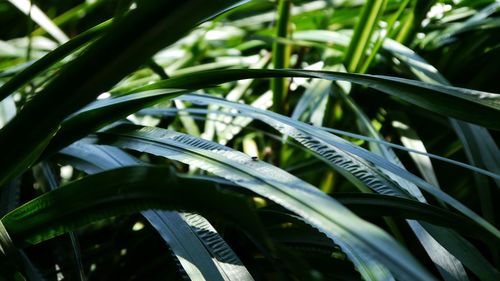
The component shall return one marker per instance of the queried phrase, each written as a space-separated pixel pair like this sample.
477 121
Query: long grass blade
181 239
50 178
167 112
276 185
410 139
336 151
120 191
196 243
449 267
452 101
134 39
281 55
479 148
382 36
44 63
102 112
7 110
406 183
362 37
478 144
480 20
28 8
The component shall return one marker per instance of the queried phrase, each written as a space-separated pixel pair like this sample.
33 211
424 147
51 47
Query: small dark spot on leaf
255 158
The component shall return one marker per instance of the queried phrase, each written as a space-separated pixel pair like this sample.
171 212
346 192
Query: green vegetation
249 140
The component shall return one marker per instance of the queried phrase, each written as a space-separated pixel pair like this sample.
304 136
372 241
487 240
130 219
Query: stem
281 55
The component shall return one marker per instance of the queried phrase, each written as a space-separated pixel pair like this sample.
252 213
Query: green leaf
281 55
7 110
382 35
120 191
360 240
31 10
355 163
410 139
334 152
471 263
48 177
449 267
451 101
366 204
481 20
44 63
128 43
378 161
477 142
474 138
362 37
103 112
196 244
169 112
187 234
465 252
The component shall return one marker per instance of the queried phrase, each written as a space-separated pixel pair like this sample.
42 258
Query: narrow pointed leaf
102 112
120 191
134 39
282 188
448 266
196 243
30 9
452 101
362 37
28 73
357 164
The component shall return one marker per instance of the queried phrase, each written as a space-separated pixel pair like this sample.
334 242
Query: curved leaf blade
356 237
192 239
452 101
354 162
134 39
114 192
26 74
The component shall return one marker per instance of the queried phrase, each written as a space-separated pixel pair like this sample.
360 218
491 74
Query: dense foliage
249 140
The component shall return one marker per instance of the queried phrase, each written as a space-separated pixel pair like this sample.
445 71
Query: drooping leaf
448 266
167 112
477 142
110 193
280 187
451 101
378 161
408 186
357 164
196 243
26 74
134 39
182 233
102 112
